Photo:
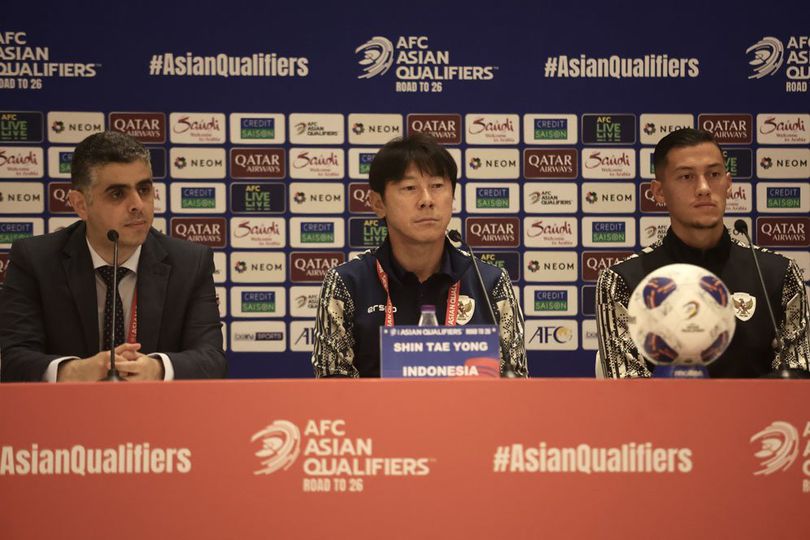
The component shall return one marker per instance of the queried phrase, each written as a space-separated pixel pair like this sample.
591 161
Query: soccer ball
681 314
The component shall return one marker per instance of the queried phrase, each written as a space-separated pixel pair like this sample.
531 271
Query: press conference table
551 458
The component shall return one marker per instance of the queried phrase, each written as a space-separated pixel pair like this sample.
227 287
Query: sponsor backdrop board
262 140
267 453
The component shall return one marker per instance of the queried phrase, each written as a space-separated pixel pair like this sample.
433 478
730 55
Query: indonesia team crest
744 305
466 308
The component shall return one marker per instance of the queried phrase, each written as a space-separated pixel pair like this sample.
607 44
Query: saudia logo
596 159
304 160
185 124
19 158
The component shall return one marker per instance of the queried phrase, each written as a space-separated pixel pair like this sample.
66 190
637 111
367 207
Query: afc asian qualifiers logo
377 57
280 446
779 447
768 56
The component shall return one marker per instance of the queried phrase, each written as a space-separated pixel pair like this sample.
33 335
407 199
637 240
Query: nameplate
435 352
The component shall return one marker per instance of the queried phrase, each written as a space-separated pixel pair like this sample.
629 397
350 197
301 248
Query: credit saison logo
492 197
360 162
266 163
316 163
493 129
73 127
366 232
551 163
198 198
784 197
608 232
21 162
21 127
728 128
767 56
551 300
257 128
12 230
374 128
146 127
783 128
317 232
248 198
207 231
257 301
312 266
550 129
445 128
416 66
656 126
197 128
608 128
604 163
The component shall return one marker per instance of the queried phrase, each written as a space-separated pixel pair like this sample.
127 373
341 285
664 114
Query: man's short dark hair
101 149
679 138
419 149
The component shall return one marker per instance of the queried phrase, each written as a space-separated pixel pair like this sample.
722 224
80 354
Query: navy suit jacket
48 306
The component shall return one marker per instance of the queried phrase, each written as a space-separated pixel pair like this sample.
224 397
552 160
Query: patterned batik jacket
351 309
750 353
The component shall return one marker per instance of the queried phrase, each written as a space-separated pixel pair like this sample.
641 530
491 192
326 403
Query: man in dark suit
56 304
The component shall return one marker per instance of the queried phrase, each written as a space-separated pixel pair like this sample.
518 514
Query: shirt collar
130 264
389 263
686 253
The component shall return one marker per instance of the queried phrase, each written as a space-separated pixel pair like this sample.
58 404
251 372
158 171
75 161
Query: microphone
455 236
112 374
783 372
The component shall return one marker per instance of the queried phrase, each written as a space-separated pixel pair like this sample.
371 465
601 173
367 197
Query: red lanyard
452 300
132 334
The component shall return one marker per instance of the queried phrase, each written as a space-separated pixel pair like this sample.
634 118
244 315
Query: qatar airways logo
445 128
148 128
266 163
728 128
